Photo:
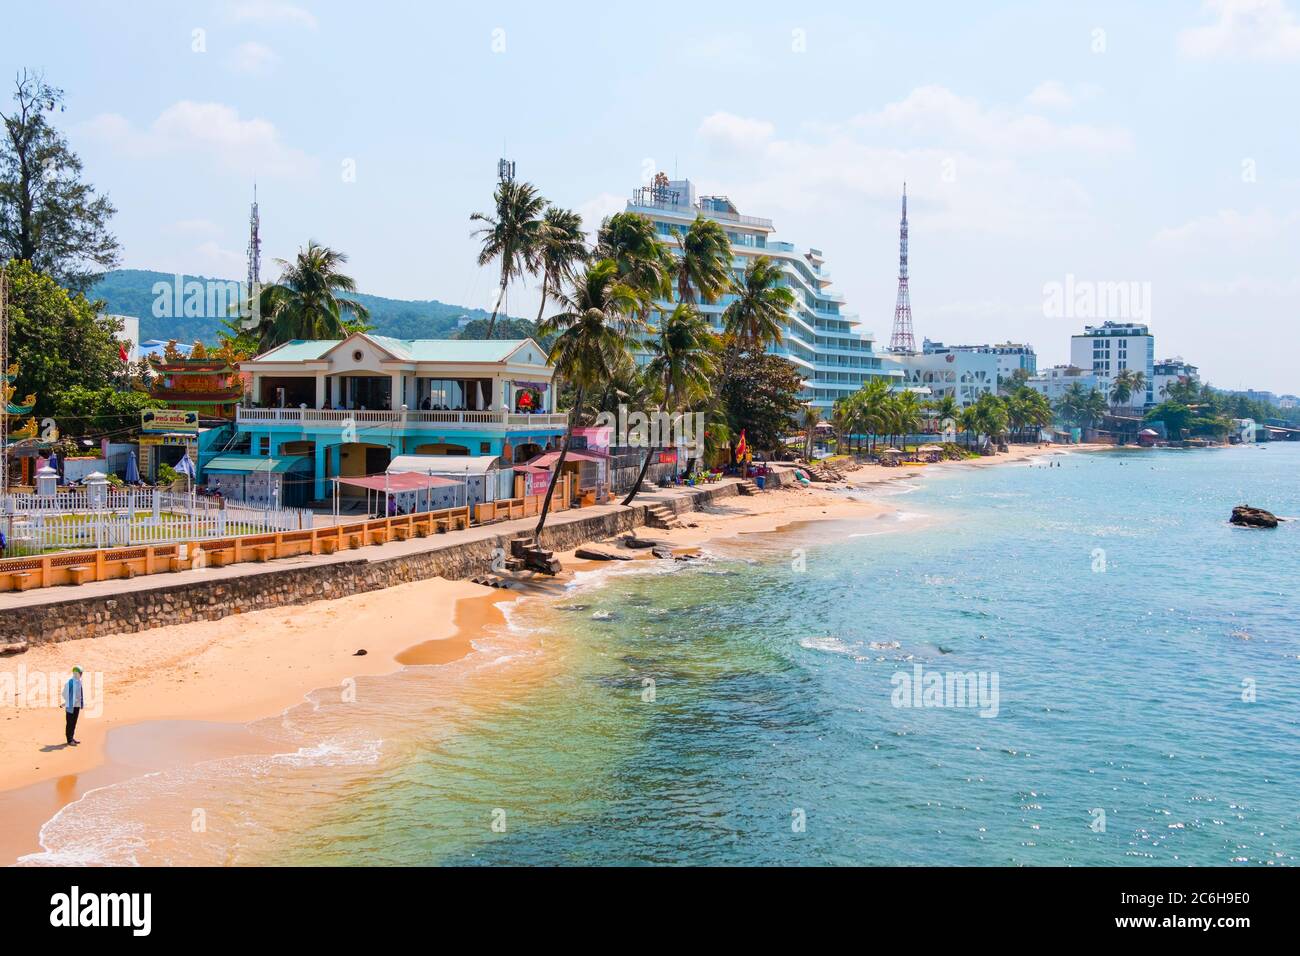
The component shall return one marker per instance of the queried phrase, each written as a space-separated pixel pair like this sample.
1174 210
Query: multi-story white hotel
1012 356
939 372
820 338
1055 381
1170 371
1110 348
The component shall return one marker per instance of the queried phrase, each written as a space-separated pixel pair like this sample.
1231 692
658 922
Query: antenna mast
902 339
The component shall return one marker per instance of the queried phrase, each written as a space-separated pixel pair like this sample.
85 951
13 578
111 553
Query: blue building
348 407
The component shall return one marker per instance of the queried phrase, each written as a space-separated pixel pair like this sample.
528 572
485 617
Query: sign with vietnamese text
161 420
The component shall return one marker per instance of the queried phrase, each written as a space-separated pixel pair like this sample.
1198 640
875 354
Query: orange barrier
107 564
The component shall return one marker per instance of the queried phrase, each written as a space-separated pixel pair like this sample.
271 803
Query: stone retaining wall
137 610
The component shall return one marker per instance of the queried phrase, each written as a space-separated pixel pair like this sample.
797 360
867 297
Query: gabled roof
410 350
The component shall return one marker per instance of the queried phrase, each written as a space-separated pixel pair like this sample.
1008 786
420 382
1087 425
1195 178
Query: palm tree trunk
501 297
542 308
645 466
559 466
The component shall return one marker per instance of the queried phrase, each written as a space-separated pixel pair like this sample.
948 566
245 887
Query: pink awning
400 481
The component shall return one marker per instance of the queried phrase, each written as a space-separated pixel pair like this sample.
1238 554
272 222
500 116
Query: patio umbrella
133 470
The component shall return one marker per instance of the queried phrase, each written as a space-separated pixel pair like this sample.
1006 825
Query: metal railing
339 417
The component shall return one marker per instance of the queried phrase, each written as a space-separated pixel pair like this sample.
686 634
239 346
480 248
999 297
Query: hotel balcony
318 418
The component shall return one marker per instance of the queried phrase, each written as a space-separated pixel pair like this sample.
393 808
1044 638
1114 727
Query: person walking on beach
73 701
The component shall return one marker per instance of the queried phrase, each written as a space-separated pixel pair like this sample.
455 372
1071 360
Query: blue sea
1133 665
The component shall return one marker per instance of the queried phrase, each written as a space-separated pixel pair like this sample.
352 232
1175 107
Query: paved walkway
383 552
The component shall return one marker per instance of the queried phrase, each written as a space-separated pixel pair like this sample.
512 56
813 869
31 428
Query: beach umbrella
133 470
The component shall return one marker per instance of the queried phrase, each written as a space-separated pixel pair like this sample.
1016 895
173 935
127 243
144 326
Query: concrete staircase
662 517
747 487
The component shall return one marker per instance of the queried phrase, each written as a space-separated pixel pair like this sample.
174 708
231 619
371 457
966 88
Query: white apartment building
1112 347
941 372
1173 370
1055 381
820 337
1012 356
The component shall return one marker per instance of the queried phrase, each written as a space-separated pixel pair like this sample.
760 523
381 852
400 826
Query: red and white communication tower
902 339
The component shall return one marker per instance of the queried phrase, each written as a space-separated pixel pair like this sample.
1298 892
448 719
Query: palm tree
757 317
685 363
561 247
601 315
970 423
811 416
907 415
946 410
705 261
511 236
643 261
305 304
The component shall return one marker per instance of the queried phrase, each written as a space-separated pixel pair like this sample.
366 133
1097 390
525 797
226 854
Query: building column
320 389
398 397
318 485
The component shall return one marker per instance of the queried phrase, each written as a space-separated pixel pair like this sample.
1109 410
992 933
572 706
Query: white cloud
1225 227
595 209
1244 29
253 58
727 131
270 12
939 115
213 131
1055 95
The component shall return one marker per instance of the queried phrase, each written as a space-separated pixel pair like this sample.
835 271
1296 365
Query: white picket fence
35 533
124 500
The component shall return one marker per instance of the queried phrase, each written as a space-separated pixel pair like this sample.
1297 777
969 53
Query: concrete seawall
211 595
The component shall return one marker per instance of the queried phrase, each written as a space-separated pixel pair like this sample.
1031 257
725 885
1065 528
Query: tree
511 236
811 416
684 364
561 248
48 216
1125 384
89 411
945 410
643 262
506 328
756 319
1176 416
56 337
704 264
759 394
601 314
305 302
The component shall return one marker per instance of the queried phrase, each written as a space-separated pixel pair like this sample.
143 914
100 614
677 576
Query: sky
1152 148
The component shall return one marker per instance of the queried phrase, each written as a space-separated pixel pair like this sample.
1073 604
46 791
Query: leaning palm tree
756 318
305 302
685 363
561 248
511 235
704 263
600 319
872 403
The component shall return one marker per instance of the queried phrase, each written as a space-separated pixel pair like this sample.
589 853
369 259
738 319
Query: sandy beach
178 694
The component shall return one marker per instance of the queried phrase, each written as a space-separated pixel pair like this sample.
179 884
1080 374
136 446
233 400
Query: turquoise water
1122 617
1119 689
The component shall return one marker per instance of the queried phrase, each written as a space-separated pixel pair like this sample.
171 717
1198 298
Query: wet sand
182 694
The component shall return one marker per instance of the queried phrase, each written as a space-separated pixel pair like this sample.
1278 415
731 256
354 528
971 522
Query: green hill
130 292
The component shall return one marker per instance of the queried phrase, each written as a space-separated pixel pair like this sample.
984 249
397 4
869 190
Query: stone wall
208 600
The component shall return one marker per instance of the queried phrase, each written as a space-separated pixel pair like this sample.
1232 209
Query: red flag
122 353
742 447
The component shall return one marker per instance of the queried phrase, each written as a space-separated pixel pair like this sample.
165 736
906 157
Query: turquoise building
348 407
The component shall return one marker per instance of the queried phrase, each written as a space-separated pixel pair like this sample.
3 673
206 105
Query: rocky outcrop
1249 517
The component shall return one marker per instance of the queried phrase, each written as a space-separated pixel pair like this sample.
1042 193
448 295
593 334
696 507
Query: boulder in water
1249 517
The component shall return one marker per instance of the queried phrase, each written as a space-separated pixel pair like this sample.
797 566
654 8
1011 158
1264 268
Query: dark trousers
72 722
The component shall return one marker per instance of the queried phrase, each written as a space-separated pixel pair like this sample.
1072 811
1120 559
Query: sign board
159 420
